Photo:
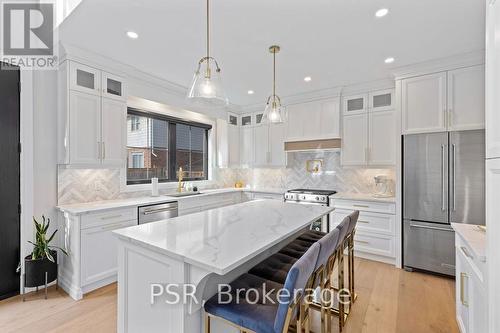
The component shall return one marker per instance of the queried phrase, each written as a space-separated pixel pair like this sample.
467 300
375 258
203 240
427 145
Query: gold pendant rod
208 28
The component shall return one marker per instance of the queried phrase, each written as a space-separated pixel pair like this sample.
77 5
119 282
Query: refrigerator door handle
454 158
443 174
428 227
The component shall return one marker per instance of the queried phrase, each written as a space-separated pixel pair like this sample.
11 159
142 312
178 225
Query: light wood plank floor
389 300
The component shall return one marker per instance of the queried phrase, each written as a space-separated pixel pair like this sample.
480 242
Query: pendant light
206 87
274 112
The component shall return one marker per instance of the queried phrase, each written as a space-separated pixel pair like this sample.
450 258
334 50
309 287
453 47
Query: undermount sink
183 194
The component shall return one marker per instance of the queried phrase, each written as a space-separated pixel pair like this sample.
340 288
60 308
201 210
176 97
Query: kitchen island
200 251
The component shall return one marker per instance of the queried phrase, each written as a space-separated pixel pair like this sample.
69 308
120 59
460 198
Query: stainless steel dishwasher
158 212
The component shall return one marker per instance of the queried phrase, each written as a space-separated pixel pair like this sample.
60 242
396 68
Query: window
135 123
137 160
190 151
158 145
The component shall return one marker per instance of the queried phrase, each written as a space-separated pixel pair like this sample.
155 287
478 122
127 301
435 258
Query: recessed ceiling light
251 92
307 79
389 60
381 12
132 34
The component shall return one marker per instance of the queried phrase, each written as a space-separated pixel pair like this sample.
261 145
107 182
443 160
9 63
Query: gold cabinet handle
361 241
462 292
362 221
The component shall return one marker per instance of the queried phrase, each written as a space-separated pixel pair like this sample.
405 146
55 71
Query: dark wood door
9 180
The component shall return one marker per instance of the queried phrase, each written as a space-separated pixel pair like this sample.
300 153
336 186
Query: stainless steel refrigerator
443 183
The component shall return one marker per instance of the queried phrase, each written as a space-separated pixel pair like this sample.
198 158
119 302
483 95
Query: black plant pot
39 271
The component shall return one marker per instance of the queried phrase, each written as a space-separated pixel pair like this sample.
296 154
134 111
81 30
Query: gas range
320 197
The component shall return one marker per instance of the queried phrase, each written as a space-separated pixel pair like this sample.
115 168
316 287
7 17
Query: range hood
312 145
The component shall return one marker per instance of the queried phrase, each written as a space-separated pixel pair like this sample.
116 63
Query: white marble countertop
474 237
88 207
221 239
362 197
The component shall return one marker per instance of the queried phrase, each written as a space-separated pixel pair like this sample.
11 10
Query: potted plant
40 267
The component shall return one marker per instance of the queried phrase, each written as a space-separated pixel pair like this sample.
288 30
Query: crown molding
438 65
364 87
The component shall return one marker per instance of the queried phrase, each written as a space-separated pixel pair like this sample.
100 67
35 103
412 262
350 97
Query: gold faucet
179 186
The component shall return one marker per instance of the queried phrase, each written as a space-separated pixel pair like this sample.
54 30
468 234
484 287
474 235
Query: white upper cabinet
114 132
222 143
261 145
382 137
296 118
246 146
314 120
113 86
85 128
330 118
233 137
445 101
92 115
84 78
466 98
355 139
369 129
228 142
424 103
277 153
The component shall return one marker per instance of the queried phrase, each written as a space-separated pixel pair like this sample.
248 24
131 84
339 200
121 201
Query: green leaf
52 236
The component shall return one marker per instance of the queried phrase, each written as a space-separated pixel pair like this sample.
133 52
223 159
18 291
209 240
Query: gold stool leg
341 286
351 273
207 323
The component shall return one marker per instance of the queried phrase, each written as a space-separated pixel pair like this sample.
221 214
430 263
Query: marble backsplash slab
87 185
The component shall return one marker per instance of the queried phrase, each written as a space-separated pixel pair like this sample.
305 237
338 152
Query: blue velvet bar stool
337 256
262 316
328 245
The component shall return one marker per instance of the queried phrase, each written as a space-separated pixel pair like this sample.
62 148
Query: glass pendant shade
206 87
274 111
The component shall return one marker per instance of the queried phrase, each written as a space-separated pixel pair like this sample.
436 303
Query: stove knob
317 198
303 197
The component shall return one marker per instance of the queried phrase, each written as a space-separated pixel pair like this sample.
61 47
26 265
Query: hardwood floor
389 300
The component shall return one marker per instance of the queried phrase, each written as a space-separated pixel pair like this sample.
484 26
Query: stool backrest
296 280
327 244
353 221
343 229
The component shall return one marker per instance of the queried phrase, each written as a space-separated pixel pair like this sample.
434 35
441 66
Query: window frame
172 133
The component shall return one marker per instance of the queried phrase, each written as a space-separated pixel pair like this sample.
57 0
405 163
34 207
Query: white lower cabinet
92 249
375 236
99 253
471 296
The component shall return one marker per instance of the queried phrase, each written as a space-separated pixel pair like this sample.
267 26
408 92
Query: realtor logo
28 34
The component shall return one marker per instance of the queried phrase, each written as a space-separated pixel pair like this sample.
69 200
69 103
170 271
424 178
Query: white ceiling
336 42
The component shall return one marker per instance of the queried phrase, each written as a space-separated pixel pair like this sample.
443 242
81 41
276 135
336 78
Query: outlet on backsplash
97 186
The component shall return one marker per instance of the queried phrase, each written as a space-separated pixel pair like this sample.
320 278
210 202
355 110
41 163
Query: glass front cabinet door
355 104
85 78
113 86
